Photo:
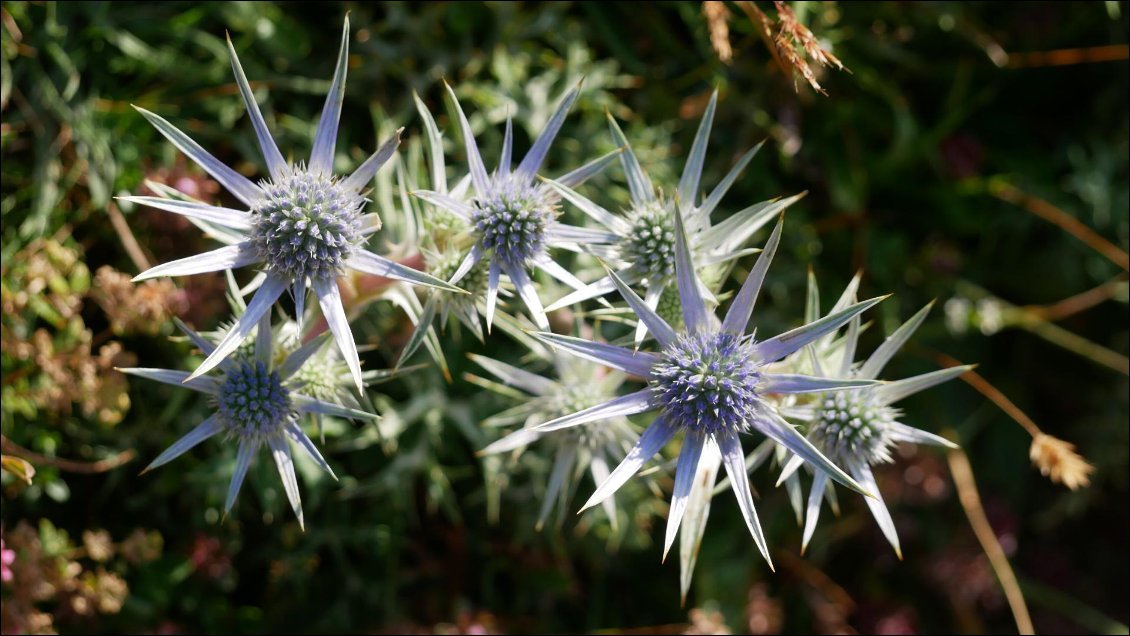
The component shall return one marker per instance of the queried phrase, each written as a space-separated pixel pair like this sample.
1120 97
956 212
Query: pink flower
7 558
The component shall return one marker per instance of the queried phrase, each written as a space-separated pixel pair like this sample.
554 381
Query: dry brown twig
793 45
971 502
68 465
1055 458
1063 220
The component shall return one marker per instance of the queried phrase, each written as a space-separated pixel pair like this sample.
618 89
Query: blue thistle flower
577 386
258 402
644 249
304 225
711 382
858 428
513 218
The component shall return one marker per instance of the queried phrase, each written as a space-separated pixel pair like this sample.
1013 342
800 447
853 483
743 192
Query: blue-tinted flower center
708 382
252 401
651 242
306 225
853 425
511 220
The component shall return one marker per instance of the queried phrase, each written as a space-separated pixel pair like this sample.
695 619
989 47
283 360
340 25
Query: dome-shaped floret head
670 307
511 219
443 227
707 382
600 435
853 426
443 266
650 243
252 402
320 377
306 225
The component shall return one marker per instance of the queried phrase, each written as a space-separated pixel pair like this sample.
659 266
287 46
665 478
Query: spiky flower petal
643 251
512 218
258 400
711 382
858 428
576 387
303 225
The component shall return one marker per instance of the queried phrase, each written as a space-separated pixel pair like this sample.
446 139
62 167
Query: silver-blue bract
258 403
858 428
513 217
577 385
304 225
712 382
644 249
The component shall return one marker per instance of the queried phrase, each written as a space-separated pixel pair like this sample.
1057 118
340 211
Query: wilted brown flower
793 45
707 622
69 373
764 613
49 586
99 546
136 308
1058 461
57 361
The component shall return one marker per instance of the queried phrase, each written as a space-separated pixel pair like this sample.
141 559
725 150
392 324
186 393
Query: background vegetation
975 153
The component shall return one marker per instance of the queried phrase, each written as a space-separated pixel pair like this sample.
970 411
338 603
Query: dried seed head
1058 461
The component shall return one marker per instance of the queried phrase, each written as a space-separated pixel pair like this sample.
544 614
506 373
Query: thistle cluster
706 379
650 243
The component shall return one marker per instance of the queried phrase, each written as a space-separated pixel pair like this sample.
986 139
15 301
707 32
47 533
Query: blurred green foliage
943 100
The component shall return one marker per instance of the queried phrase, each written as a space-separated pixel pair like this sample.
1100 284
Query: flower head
258 400
512 218
858 428
306 226
644 249
1058 461
711 382
577 386
303 225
